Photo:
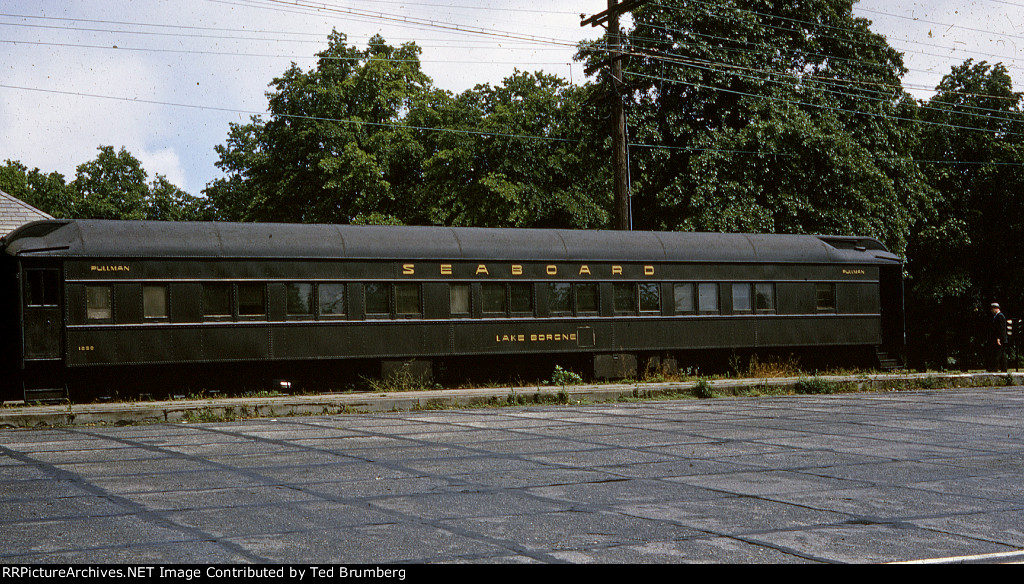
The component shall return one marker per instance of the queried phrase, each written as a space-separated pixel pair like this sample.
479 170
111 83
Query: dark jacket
998 329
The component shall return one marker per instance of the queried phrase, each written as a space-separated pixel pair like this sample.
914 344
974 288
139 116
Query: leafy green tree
167 202
366 138
967 254
49 193
767 116
526 155
113 186
334 148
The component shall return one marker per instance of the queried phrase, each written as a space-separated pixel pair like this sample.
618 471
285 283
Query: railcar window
459 299
521 296
154 301
493 296
378 298
332 299
586 298
559 298
683 298
741 298
765 297
252 300
624 297
707 297
299 299
826 296
41 287
407 299
650 297
216 300
99 302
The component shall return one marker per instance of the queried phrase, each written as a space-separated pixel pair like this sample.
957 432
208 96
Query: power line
436 5
818 106
870 88
872 35
152 33
224 29
311 6
662 55
445 130
319 37
281 115
946 25
144 24
401 19
873 41
815 24
265 55
774 75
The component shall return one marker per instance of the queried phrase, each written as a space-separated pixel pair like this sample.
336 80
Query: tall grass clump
565 377
816 386
703 390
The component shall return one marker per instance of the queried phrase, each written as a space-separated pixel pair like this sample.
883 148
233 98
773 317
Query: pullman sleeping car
150 301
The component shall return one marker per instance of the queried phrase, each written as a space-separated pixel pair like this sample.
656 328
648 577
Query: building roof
151 239
15 213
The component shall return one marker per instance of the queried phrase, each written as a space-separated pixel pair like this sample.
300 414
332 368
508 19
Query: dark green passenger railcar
88 298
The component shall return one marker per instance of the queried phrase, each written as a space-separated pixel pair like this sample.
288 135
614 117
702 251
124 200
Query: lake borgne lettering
534 337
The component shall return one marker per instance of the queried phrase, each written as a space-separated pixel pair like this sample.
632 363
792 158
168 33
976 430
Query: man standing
997 339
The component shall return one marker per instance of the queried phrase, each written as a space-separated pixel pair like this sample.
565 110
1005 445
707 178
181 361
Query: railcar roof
144 239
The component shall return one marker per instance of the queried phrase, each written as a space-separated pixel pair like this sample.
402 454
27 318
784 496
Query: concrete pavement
928 475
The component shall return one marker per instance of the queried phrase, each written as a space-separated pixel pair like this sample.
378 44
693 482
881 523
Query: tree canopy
758 115
967 252
365 137
112 186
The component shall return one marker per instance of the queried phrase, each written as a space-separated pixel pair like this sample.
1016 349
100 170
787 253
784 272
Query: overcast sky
164 78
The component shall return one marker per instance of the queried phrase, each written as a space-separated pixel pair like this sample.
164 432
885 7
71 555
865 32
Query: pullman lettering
110 268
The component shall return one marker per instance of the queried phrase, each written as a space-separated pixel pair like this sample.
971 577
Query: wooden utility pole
620 157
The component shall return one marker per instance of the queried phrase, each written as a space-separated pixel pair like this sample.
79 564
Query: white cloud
165 162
